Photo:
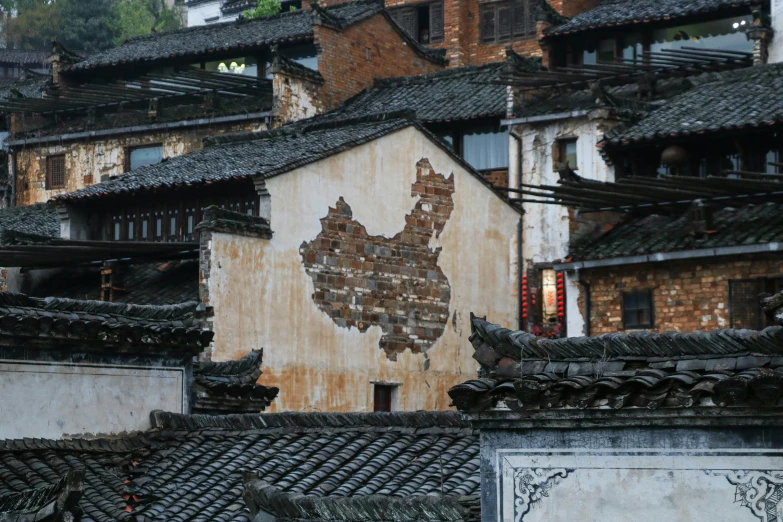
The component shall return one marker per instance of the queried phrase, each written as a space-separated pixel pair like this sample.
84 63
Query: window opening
637 309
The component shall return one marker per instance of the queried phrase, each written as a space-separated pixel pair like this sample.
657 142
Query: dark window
502 21
637 309
566 153
773 161
142 156
423 23
744 303
383 397
55 171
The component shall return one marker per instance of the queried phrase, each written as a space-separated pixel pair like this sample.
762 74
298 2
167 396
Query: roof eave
659 257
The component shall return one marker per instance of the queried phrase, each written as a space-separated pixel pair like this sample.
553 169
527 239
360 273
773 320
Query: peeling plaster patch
395 283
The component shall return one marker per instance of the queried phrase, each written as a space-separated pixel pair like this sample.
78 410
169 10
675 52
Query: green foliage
37 23
291 8
264 8
85 24
139 17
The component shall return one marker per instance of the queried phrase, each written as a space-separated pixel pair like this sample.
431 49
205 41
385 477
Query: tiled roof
31 87
265 153
190 468
231 387
146 283
748 225
610 13
40 219
194 41
240 36
23 56
455 94
731 100
722 368
58 502
113 323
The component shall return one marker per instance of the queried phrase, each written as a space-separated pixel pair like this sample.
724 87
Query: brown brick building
158 96
475 32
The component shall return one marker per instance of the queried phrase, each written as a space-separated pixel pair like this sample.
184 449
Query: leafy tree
138 17
85 24
264 8
37 23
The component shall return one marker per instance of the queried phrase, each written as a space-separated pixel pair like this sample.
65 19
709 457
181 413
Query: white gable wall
262 295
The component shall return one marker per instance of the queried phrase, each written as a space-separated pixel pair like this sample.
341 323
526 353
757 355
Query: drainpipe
12 176
586 312
520 270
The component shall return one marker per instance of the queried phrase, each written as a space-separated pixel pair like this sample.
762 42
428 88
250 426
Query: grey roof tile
191 467
265 153
743 98
239 35
455 94
626 12
748 225
40 219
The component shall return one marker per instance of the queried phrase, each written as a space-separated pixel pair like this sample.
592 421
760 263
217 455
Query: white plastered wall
262 295
546 232
776 45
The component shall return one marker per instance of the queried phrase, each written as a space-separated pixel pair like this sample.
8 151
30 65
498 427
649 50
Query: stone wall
687 295
351 59
87 160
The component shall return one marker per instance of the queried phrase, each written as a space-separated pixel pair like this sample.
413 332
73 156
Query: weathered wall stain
363 280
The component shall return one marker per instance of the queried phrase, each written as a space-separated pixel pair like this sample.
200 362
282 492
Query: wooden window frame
494 16
128 151
50 175
411 25
651 302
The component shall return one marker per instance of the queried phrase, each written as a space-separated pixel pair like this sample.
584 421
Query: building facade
664 426
622 130
140 103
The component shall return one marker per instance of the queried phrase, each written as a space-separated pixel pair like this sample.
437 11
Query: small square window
55 172
143 156
566 153
385 396
637 309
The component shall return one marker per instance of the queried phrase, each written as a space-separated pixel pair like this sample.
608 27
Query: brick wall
572 8
87 161
461 31
351 59
687 295
395 283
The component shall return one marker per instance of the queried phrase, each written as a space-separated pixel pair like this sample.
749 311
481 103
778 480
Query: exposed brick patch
499 178
395 283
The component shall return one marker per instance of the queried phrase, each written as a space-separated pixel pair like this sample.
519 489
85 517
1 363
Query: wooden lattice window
744 303
55 172
503 21
423 23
